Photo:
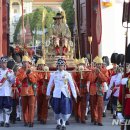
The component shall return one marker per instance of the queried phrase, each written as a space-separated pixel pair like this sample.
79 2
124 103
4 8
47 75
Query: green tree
35 20
67 5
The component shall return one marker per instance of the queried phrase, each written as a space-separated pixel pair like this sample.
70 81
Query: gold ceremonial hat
95 59
82 61
26 58
76 61
99 60
40 62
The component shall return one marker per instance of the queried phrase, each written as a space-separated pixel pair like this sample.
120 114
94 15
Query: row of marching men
92 82
18 88
31 83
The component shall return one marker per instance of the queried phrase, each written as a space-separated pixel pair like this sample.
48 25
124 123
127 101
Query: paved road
51 124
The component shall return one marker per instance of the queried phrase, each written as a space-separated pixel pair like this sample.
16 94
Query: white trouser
19 109
5 115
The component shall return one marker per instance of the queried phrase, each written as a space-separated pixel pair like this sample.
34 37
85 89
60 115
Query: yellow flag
107 3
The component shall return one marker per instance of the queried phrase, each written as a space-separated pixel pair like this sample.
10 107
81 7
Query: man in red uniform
28 91
80 78
42 102
96 78
126 81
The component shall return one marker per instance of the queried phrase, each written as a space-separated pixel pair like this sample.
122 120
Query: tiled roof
48 0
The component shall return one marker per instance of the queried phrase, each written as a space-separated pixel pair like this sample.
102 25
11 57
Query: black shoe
77 119
92 120
111 111
86 117
2 124
30 125
18 119
13 122
83 122
100 124
42 122
67 123
25 124
114 116
95 123
104 114
63 128
7 125
58 127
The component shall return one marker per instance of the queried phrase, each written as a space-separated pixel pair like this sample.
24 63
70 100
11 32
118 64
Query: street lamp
126 12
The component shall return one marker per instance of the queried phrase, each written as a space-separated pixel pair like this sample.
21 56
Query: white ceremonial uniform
124 81
61 79
5 89
61 101
7 78
115 80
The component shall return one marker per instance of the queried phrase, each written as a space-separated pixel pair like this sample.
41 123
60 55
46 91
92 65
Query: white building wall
14 16
113 34
28 6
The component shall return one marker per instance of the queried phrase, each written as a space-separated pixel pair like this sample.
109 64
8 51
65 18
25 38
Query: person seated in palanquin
60 35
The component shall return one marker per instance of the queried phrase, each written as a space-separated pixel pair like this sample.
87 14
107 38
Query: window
15 4
15 11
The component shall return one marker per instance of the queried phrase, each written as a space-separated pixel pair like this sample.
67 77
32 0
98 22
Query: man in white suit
7 78
61 101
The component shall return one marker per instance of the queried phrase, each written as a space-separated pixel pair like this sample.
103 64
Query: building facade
28 6
4 27
16 12
87 15
54 4
113 33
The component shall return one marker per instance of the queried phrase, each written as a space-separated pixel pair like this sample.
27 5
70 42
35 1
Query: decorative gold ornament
90 39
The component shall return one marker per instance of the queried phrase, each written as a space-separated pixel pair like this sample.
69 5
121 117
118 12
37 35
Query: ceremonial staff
43 35
90 38
90 42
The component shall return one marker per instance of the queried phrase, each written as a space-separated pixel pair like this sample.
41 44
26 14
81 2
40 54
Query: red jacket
43 79
127 101
16 89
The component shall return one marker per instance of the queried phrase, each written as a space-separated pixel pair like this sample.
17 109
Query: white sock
18 111
1 117
7 114
86 111
114 112
58 122
7 118
63 123
105 107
